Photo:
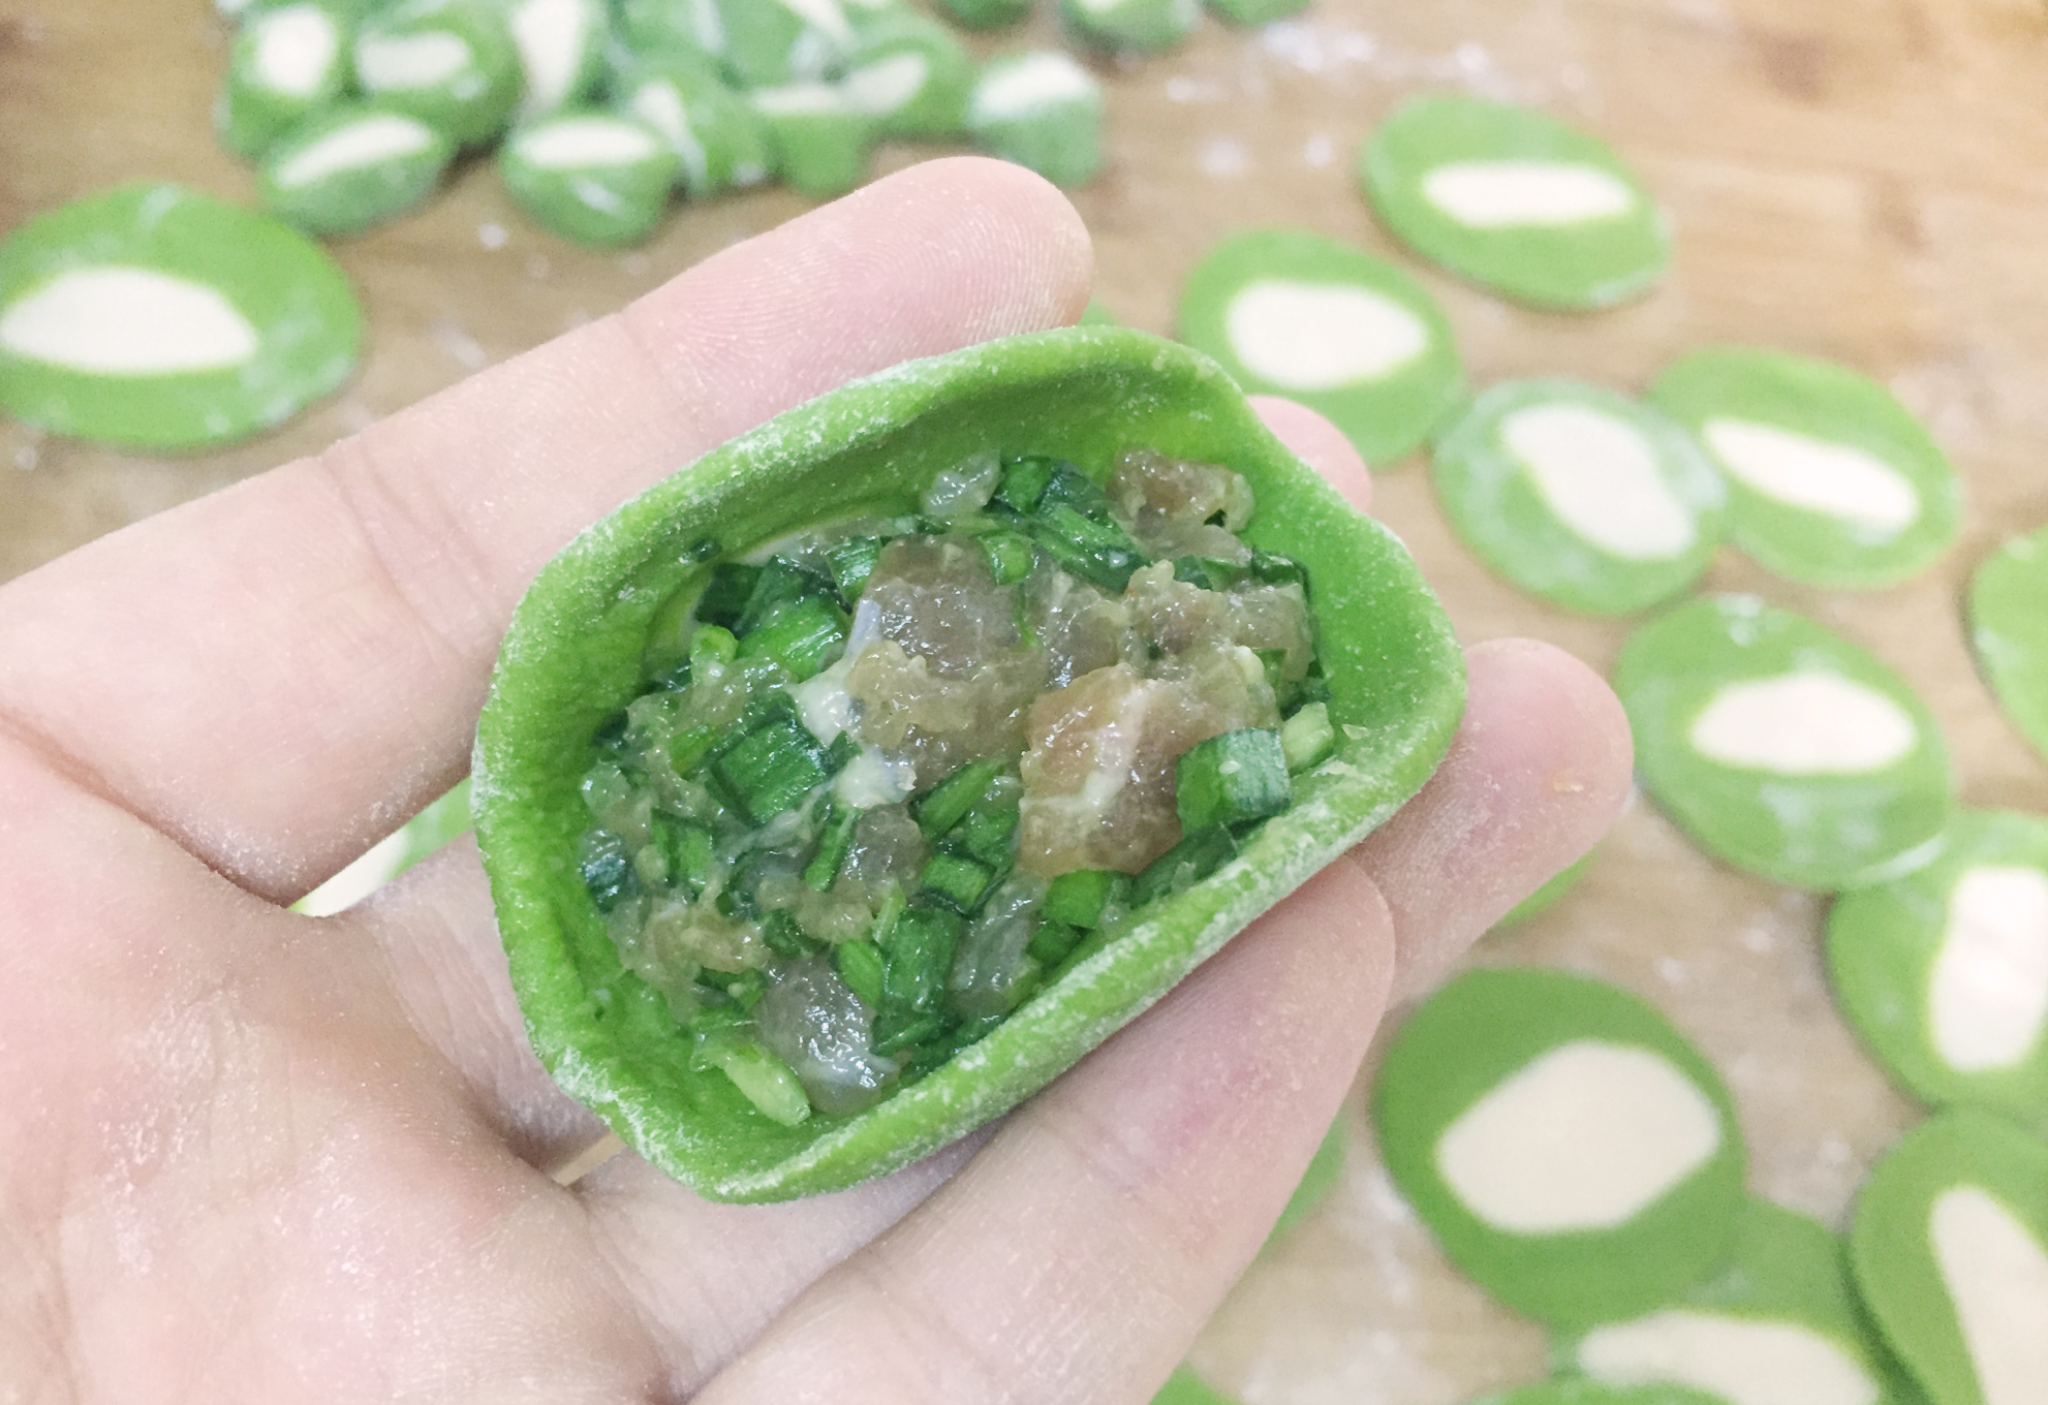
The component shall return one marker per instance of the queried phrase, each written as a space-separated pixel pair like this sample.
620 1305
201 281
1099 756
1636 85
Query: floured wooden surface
1850 181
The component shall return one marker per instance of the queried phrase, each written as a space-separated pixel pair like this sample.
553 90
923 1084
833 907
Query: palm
251 1155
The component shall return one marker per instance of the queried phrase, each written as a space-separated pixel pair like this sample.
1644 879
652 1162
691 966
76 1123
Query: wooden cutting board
1867 182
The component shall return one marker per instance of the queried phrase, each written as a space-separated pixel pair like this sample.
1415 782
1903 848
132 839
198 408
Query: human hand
253 1155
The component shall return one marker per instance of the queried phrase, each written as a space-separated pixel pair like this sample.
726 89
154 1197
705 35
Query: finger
281 672
1077 1255
1538 772
1320 445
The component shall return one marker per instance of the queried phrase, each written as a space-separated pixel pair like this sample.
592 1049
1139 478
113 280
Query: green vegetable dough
655 29
354 166
594 177
1831 481
1781 1311
1570 1151
420 837
561 51
714 132
160 318
1580 496
1516 201
451 63
769 43
1041 110
1131 26
2009 630
910 76
1292 313
1944 972
1950 1251
985 14
287 62
1247 13
820 138
575 654
1782 748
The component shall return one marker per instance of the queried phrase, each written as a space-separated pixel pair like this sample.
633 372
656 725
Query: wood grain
1868 182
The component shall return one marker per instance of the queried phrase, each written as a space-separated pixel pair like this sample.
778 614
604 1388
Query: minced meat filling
904 772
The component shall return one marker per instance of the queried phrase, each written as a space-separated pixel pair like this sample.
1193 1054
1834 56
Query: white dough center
1743 1360
576 142
801 100
388 136
551 35
1815 475
1585 1136
1320 336
295 49
888 84
1599 476
385 62
1988 992
1807 723
1031 84
121 321
1507 194
660 106
1997 1277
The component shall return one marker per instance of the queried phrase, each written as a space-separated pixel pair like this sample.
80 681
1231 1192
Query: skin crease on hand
251 1156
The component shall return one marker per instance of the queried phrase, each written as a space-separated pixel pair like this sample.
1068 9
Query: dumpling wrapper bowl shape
1781 747
574 655
1568 1149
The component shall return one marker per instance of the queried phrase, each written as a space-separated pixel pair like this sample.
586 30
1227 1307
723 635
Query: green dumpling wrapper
576 652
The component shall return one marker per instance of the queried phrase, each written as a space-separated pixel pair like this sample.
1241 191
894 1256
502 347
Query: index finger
280 673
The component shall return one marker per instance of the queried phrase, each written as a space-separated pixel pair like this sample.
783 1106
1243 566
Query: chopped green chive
897 1030
1232 779
1308 738
834 839
948 802
712 644
1185 864
800 634
1070 487
781 581
607 868
1208 572
860 964
689 746
1009 554
955 882
1083 897
921 950
1052 940
1024 483
772 770
1100 553
726 595
784 937
1271 568
852 562
768 1083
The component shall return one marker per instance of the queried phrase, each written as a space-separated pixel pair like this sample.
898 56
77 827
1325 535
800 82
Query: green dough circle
1887 944
1467 1042
602 202
473 103
1526 449
1439 151
1957 1171
576 652
1787 1271
1868 499
1864 818
2009 629
350 199
307 327
1274 281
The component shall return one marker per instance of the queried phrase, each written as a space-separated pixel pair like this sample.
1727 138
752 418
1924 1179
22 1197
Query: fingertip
1320 445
